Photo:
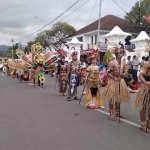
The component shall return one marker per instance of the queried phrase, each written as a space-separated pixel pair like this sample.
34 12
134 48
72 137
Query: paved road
40 119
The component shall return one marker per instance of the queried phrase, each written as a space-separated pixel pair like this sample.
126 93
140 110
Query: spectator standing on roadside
142 62
135 64
129 64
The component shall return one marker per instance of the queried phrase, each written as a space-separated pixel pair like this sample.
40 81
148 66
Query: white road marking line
30 83
124 120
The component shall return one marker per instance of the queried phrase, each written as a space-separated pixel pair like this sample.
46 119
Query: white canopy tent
74 43
115 36
140 44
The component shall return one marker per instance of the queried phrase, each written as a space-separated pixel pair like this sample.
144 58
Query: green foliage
108 55
56 36
27 49
29 44
133 15
1 54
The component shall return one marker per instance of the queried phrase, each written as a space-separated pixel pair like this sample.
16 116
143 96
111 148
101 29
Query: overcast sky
18 17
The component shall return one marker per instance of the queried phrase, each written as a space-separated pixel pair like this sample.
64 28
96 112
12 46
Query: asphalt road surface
39 119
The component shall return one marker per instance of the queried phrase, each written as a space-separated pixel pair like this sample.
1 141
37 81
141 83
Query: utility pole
99 22
12 49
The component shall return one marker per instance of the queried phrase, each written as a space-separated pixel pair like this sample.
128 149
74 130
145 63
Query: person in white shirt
135 64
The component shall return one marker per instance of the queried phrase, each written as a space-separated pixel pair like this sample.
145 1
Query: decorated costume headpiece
117 49
94 53
37 48
62 56
74 53
39 59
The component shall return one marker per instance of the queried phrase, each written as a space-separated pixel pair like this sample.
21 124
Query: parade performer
61 75
83 73
93 97
19 66
73 74
143 96
38 63
116 90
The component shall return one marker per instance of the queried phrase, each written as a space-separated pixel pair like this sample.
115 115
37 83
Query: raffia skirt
142 98
112 92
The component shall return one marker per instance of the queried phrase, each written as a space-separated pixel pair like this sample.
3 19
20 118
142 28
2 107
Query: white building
88 34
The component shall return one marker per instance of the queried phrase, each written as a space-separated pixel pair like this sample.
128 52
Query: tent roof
141 37
116 31
74 41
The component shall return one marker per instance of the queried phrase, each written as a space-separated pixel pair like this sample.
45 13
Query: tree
27 49
133 15
56 36
1 54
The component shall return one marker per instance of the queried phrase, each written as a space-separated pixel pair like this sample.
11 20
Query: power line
82 13
75 10
119 6
65 16
51 21
91 13
33 28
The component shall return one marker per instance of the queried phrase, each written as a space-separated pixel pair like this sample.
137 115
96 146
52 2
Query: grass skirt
111 91
142 97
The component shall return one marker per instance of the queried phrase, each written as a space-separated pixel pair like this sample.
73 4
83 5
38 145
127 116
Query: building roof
108 23
74 41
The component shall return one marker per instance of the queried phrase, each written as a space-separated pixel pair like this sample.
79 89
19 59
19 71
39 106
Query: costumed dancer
83 73
93 97
73 74
38 63
22 67
61 75
116 90
143 96
39 77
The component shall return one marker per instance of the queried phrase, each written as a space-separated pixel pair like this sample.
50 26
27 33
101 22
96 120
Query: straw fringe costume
142 99
116 91
93 97
111 91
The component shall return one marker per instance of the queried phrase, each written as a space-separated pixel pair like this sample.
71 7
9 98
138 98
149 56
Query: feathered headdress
117 49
